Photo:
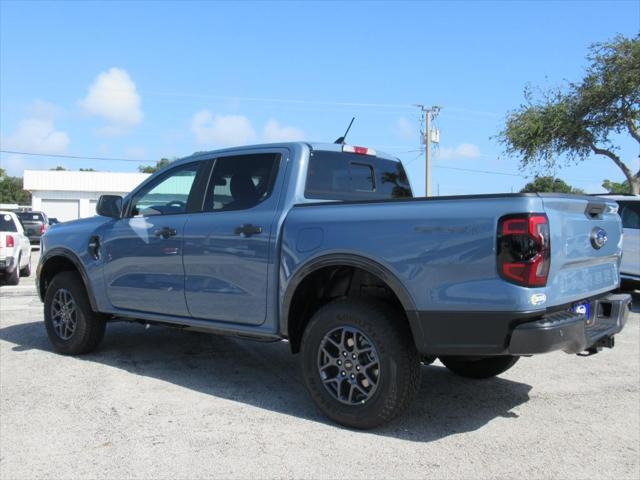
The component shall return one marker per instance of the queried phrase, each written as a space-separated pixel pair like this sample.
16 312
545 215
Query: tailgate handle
595 210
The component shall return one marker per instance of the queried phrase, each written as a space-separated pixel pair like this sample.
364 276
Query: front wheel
72 326
483 367
359 362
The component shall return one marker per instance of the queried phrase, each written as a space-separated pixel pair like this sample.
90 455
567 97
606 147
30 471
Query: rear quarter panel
442 250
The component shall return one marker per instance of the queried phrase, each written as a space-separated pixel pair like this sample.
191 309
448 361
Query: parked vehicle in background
629 212
35 224
323 245
15 249
53 221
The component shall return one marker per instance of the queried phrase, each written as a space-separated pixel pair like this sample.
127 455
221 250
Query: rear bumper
572 332
519 333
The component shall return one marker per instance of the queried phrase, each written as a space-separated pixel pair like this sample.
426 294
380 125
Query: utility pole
428 137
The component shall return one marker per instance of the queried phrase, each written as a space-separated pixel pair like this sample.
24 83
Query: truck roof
330 147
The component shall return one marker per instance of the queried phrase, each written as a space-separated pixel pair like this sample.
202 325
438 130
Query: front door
229 247
143 250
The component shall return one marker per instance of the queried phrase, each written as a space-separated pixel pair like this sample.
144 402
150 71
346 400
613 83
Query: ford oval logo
598 238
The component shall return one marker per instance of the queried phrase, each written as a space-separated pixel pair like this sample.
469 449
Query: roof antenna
341 140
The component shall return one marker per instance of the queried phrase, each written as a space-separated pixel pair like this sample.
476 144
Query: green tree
87 170
549 184
616 187
11 190
58 168
163 162
583 118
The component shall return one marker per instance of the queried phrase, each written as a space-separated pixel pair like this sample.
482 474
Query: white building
68 195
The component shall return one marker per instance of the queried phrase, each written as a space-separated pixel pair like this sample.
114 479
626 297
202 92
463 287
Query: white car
630 214
15 249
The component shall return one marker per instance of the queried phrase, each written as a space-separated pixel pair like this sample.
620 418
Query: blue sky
161 79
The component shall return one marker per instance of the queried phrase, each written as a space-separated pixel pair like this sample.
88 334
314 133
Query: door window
168 195
241 182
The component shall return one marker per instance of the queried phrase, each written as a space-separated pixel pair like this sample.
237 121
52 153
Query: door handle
165 232
248 230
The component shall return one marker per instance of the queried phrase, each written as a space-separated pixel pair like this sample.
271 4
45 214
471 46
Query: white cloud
37 135
113 96
464 151
274 132
406 130
223 130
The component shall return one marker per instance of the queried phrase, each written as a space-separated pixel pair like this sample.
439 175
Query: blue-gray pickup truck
323 245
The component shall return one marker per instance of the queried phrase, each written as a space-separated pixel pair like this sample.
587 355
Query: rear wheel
359 362
483 367
72 326
26 271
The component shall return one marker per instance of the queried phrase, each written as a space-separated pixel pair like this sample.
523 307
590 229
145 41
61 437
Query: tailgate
583 262
32 229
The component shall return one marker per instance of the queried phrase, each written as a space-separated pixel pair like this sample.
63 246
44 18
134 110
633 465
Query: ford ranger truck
322 245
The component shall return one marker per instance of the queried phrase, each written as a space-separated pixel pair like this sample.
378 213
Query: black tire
399 363
89 326
13 278
486 367
26 271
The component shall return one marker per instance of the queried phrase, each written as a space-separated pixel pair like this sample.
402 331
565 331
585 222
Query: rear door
143 250
229 248
586 242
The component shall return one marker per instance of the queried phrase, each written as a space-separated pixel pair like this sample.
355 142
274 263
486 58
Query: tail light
43 228
524 253
9 241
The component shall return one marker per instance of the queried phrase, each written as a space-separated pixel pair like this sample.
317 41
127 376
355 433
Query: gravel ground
162 403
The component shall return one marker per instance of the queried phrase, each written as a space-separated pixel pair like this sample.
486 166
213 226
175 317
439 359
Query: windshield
348 176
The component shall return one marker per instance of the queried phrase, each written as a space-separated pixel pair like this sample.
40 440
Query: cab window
241 182
168 195
7 224
630 214
349 176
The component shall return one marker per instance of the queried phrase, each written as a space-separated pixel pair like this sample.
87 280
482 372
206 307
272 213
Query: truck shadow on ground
267 376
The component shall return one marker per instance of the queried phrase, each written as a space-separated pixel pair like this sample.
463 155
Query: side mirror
109 206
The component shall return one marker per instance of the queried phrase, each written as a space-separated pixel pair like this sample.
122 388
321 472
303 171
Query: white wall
84 187
87 207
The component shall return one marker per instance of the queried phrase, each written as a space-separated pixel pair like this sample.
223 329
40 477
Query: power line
78 157
233 98
491 172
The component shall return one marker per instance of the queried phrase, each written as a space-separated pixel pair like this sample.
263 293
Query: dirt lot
161 403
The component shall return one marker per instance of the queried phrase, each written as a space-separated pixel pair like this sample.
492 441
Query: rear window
630 214
30 216
7 224
349 176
